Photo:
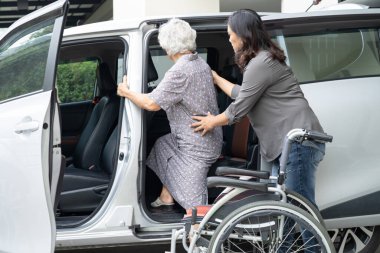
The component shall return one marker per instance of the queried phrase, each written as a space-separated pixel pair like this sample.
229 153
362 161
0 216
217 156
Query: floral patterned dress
181 159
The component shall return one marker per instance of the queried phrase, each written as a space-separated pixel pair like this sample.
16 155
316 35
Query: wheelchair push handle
299 135
317 136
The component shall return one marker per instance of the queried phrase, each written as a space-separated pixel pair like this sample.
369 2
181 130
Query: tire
356 239
345 240
297 199
255 228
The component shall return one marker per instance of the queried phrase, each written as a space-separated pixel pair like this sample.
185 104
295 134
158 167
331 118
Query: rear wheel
300 201
270 226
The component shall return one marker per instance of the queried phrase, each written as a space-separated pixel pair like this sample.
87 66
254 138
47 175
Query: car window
23 61
333 55
76 80
162 63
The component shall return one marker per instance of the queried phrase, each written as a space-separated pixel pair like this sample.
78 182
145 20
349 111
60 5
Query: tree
76 81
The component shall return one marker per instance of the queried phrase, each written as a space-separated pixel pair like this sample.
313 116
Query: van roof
117 27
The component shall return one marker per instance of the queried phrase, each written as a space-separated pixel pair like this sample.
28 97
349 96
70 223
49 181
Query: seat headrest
152 72
105 81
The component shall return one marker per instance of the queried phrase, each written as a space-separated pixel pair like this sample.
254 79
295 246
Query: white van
73 154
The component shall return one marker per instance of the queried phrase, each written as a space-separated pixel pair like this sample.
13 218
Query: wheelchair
256 213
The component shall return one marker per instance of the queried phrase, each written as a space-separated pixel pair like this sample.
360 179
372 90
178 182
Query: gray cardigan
274 102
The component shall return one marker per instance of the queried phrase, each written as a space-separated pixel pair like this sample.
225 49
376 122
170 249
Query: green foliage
23 64
23 70
45 31
76 81
23 61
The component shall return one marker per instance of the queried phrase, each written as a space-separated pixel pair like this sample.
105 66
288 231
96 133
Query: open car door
28 151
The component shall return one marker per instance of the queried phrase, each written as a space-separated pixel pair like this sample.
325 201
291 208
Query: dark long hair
248 25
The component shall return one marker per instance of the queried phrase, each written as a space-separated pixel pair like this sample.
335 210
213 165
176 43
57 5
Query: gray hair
176 36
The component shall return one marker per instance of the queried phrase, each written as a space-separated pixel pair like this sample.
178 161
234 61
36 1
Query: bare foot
165 196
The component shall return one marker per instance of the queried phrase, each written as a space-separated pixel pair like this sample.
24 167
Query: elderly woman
181 158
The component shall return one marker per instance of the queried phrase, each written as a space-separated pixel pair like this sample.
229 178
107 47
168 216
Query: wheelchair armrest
231 171
236 183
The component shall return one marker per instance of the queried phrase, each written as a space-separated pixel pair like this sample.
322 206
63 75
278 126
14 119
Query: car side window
334 55
76 80
162 63
23 61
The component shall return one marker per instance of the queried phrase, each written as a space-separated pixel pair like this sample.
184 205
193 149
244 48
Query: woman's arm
222 83
141 100
255 80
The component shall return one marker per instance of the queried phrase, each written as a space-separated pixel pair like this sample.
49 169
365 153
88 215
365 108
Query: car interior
89 130
90 127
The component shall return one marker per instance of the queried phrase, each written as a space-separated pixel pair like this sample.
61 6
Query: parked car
73 154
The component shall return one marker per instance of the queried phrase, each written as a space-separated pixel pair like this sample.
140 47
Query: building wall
258 5
301 6
132 8
2 30
103 13
122 9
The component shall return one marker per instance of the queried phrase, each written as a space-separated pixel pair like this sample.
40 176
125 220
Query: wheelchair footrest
196 214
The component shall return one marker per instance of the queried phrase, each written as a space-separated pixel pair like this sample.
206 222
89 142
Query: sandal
158 202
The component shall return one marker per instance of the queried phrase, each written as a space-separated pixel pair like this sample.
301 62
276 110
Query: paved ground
127 249
135 249
138 249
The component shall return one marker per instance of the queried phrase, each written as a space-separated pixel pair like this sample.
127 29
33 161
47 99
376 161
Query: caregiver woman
271 97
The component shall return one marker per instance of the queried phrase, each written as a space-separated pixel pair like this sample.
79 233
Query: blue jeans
302 164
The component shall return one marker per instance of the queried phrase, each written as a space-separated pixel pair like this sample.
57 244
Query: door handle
27 127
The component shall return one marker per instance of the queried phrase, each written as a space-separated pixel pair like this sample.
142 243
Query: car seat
102 120
240 140
87 170
83 190
240 147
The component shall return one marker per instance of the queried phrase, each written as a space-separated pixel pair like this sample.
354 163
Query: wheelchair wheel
270 226
300 201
